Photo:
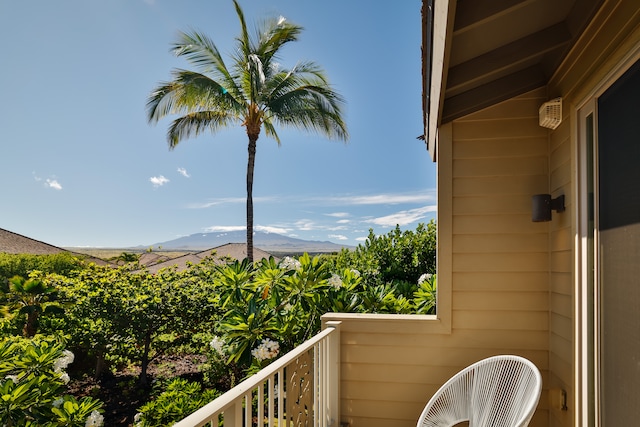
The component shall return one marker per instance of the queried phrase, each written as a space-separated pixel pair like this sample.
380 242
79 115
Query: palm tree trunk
31 326
250 167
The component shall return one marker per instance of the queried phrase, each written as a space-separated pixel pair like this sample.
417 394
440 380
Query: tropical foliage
253 91
238 317
22 264
32 380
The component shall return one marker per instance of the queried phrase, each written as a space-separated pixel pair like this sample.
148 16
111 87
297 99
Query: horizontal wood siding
390 367
499 276
604 44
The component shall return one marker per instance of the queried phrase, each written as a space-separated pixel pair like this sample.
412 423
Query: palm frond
201 51
189 91
274 35
270 130
309 104
194 124
244 41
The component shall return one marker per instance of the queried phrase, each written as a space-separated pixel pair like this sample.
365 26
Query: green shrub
178 399
32 378
23 264
398 256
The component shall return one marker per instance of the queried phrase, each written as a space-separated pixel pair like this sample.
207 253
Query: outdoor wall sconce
543 204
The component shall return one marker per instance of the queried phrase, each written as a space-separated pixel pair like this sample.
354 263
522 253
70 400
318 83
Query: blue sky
82 167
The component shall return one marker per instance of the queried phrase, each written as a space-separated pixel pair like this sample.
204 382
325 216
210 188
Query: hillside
270 242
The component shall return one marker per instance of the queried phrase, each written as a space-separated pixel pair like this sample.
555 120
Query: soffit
503 48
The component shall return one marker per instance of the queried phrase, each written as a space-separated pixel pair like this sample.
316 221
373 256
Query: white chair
500 391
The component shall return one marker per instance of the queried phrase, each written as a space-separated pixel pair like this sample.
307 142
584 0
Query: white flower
63 361
58 403
290 263
217 344
137 417
65 378
13 378
95 419
423 278
355 272
267 349
335 281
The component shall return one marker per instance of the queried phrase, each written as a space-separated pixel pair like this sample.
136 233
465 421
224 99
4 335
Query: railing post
333 374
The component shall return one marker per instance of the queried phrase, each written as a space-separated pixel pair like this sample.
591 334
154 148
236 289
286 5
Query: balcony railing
299 389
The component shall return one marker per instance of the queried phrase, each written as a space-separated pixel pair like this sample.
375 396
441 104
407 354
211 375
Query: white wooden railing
299 389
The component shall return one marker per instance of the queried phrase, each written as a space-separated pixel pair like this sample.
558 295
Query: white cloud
343 221
361 239
226 201
183 172
271 229
229 228
158 181
224 228
52 183
338 237
49 182
403 217
305 225
338 214
385 199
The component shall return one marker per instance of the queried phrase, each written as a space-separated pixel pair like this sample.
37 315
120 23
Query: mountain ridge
270 242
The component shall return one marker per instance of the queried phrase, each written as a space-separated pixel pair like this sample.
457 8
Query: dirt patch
122 394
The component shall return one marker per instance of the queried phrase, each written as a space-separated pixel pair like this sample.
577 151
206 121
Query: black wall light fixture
543 204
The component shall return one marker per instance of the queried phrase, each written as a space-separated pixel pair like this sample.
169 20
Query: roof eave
439 17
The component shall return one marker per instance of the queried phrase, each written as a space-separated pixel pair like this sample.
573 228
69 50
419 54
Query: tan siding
507 301
604 44
522 185
488 224
493 243
507 284
526 127
390 367
498 270
513 166
501 281
506 320
512 147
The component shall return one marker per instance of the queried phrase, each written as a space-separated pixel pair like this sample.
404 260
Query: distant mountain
270 242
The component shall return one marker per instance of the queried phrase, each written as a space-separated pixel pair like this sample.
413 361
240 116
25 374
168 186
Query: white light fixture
551 114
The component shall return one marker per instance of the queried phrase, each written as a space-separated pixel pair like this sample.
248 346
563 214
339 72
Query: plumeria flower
63 361
13 378
335 281
290 263
217 345
423 278
65 378
95 420
267 349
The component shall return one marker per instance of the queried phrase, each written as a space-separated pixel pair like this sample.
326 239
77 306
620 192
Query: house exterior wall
608 41
496 277
506 284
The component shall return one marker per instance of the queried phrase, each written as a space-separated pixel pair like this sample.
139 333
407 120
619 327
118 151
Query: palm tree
255 92
30 297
